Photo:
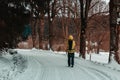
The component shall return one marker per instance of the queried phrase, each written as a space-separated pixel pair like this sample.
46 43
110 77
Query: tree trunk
98 48
113 33
82 44
50 29
41 33
33 32
51 15
50 36
84 7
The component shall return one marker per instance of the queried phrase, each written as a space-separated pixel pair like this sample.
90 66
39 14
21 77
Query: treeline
71 16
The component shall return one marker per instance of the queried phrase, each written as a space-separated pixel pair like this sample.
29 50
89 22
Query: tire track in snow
52 67
80 69
33 70
88 72
95 72
41 69
91 72
100 73
46 73
60 72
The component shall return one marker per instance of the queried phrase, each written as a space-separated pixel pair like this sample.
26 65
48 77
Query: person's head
70 37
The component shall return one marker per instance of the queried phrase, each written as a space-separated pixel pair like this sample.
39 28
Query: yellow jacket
73 47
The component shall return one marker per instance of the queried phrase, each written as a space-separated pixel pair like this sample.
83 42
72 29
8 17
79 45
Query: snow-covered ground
47 65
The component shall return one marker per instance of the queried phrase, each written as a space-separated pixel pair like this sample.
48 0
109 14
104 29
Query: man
70 50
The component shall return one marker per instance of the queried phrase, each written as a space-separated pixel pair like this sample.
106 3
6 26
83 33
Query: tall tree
13 11
84 8
53 8
43 10
114 29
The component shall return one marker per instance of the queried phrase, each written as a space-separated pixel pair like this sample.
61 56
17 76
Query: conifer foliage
13 16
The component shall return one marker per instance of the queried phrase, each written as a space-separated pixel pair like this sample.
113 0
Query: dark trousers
70 59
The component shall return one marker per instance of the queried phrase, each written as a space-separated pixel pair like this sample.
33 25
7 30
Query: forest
93 23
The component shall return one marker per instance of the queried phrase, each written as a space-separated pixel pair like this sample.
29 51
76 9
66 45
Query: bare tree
84 8
53 9
114 4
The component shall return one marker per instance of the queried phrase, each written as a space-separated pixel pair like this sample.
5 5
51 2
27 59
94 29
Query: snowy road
46 65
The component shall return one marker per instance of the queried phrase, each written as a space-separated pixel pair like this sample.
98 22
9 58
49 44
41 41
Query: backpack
70 44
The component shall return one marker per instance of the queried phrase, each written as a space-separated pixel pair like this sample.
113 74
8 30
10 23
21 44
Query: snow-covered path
46 65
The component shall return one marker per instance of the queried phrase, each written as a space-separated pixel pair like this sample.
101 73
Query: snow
34 64
107 1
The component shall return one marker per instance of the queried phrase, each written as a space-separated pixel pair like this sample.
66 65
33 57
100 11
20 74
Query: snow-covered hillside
47 65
